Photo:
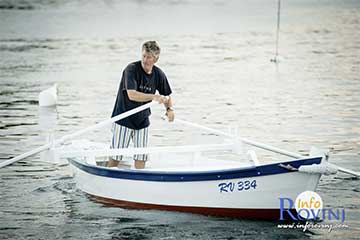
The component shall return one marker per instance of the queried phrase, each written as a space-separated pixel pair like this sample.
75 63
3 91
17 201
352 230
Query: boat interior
204 157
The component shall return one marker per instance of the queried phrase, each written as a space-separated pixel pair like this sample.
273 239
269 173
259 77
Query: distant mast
276 58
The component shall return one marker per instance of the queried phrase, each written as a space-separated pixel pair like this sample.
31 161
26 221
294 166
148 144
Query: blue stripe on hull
163 176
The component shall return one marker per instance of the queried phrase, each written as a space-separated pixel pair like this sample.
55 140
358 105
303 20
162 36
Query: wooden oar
261 145
76 134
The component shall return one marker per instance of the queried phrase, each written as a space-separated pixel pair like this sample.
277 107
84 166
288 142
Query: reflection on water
219 67
48 118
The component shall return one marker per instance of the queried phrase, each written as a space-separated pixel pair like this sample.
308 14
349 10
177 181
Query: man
138 86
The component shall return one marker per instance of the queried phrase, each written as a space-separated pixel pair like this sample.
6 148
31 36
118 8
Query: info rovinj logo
309 206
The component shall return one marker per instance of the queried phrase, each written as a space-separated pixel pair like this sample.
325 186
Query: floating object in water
48 97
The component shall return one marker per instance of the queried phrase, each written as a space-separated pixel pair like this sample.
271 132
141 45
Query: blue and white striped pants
121 139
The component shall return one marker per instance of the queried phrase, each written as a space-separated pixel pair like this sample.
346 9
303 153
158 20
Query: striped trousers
121 137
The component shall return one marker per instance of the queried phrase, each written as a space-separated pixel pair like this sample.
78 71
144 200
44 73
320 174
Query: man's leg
140 141
120 139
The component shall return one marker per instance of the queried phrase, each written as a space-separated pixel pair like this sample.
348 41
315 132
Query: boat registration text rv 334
237 186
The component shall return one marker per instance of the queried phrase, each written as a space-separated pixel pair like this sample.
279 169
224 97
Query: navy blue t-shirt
135 78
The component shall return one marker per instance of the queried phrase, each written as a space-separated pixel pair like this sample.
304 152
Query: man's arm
145 97
168 104
169 110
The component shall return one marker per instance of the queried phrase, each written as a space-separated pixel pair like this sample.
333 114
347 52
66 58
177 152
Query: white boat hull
250 193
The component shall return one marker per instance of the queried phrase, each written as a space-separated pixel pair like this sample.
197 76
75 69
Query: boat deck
179 162
171 159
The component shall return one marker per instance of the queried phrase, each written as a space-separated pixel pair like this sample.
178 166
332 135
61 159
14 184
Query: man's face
147 60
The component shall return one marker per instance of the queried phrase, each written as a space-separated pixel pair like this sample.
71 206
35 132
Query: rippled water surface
216 55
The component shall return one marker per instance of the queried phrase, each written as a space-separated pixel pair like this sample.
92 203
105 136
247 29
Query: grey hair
152 47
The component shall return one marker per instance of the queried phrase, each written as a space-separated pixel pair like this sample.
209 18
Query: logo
308 206
306 210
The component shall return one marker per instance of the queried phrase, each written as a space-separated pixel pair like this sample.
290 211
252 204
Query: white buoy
48 97
47 124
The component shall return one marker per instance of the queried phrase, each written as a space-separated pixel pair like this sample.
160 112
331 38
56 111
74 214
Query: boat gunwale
186 176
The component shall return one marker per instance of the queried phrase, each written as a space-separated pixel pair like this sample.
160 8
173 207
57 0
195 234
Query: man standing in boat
139 82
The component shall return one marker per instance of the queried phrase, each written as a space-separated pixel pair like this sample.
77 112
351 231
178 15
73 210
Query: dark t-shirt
135 78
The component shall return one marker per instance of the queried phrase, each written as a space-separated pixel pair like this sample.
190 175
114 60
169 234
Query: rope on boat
323 168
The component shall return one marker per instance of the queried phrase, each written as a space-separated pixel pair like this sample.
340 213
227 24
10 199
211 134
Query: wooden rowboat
242 192
226 188
187 178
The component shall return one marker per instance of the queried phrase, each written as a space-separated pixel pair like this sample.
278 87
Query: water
216 55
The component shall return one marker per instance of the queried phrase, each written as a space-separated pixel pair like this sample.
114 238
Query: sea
217 57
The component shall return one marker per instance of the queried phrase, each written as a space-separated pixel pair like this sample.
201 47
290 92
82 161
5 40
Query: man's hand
170 115
161 99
